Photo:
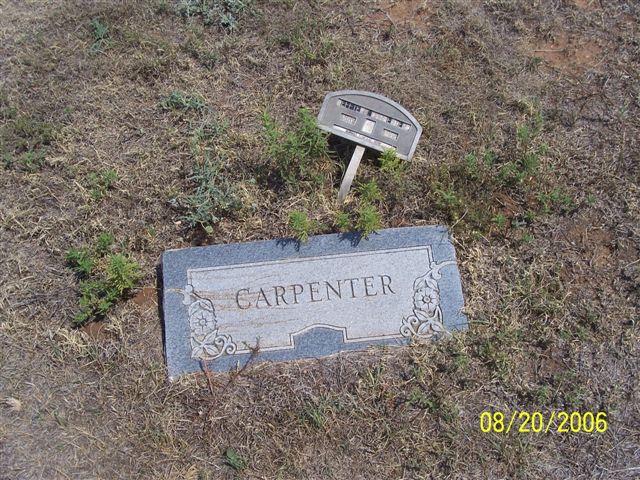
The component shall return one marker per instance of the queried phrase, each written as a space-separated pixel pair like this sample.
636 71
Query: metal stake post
345 186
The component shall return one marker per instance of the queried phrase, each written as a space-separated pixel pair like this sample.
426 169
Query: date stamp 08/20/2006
537 422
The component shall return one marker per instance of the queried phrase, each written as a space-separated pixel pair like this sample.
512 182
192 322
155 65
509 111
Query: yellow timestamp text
537 422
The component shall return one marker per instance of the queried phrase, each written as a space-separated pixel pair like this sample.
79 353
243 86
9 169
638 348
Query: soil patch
568 53
415 13
147 298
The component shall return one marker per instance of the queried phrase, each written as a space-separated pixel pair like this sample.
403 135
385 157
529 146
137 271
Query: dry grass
553 302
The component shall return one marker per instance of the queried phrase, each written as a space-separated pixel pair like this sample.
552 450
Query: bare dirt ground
549 259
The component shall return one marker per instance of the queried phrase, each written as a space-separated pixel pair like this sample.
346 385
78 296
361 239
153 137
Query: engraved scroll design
426 321
206 342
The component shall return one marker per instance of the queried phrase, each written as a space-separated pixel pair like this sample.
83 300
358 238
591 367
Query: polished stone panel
286 300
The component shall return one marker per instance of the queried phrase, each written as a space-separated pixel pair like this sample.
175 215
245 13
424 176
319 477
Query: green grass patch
368 220
493 193
364 219
104 278
342 221
104 242
540 292
182 101
363 216
213 193
205 54
81 261
100 35
434 403
221 13
235 460
101 182
297 152
309 43
214 196
302 226
555 200
24 139
314 415
369 192
205 136
391 165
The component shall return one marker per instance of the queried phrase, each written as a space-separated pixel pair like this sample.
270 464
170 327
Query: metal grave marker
294 301
370 120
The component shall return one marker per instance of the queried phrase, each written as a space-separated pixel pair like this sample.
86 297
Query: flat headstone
280 300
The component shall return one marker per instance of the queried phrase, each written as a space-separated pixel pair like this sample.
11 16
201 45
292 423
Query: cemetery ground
128 128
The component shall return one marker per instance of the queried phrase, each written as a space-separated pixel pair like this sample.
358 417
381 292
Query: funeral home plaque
370 120
280 300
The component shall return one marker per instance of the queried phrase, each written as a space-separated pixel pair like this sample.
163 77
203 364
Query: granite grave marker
294 301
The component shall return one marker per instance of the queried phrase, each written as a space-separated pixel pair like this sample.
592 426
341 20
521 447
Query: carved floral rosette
426 320
206 342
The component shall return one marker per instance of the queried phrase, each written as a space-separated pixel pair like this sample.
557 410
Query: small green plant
433 403
496 357
105 278
234 460
489 157
471 190
541 293
98 294
178 100
208 131
500 220
297 150
314 52
222 13
104 242
523 134
343 221
205 53
96 298
310 49
100 33
7 160
448 199
368 220
100 182
302 226
309 42
471 165
391 164
32 132
555 199
314 415
373 376
213 198
24 140
80 260
541 394
519 171
122 273
527 237
7 111
418 398
162 7
365 218
529 216
32 160
530 162
461 361
370 192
